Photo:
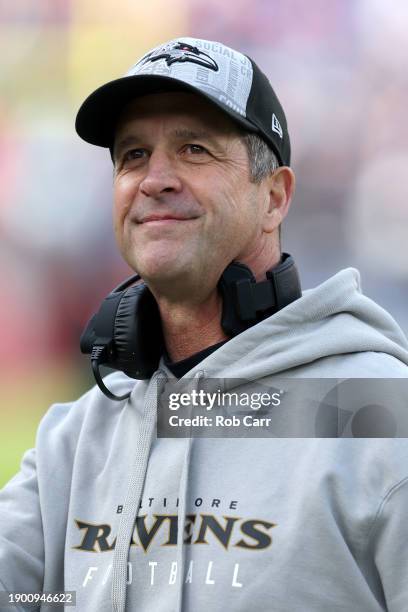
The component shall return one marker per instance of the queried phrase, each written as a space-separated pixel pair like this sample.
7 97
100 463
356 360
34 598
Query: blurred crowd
339 70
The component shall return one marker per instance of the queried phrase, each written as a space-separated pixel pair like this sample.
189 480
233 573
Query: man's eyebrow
123 143
192 134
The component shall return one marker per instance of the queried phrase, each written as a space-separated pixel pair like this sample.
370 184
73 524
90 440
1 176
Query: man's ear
281 186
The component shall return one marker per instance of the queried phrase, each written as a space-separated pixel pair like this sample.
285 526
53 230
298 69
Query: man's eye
195 149
133 154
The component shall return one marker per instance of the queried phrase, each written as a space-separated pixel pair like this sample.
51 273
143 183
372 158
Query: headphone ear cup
137 335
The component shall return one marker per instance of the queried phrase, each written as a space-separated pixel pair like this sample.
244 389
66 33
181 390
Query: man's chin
160 273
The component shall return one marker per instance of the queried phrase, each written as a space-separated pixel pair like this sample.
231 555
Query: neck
190 328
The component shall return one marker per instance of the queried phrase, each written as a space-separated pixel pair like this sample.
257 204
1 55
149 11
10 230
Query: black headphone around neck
126 334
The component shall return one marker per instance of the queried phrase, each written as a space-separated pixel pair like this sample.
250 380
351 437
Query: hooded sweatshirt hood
160 524
330 321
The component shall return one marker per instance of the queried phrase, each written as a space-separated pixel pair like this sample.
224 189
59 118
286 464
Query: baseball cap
227 78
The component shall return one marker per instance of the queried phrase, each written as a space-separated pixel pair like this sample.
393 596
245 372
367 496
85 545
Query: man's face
184 205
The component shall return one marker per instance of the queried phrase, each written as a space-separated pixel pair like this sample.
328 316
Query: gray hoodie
104 507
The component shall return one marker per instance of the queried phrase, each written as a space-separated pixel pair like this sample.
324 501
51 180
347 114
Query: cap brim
98 115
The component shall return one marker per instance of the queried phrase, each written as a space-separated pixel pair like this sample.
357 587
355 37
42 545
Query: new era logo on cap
276 126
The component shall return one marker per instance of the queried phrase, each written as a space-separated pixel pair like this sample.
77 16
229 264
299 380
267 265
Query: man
130 520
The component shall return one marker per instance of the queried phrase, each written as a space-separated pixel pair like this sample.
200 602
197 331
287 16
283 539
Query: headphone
126 333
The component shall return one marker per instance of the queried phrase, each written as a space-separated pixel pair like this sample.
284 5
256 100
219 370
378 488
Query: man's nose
161 176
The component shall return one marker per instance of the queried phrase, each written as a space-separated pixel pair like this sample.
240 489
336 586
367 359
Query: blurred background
339 68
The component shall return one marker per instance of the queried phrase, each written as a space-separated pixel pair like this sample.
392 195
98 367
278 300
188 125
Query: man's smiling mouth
165 218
